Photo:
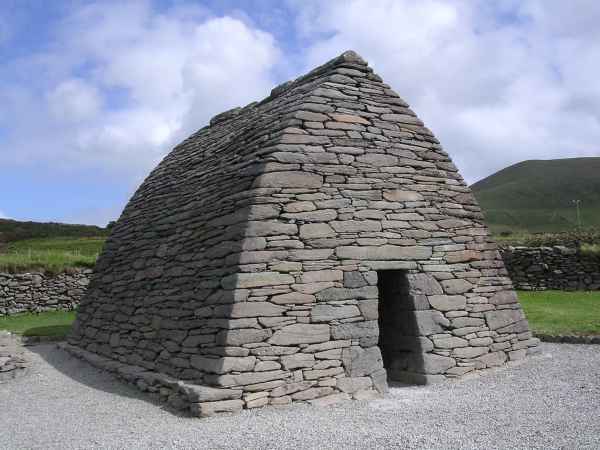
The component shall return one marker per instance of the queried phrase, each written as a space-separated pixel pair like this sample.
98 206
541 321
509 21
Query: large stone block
450 342
197 394
321 275
377 159
461 322
269 228
356 226
258 279
289 179
291 388
316 230
334 294
462 256
322 373
354 280
456 286
211 408
349 118
327 313
503 317
369 309
224 364
360 362
384 252
298 360
399 195
518 327
354 384
249 309
469 352
246 378
355 330
430 363
242 336
423 283
297 298
326 346
448 302
324 215
493 359
312 393
504 298
301 333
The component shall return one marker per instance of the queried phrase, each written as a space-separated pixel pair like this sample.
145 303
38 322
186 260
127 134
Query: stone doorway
398 330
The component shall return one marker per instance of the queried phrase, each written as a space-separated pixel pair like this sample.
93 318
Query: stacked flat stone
558 267
244 270
39 292
12 362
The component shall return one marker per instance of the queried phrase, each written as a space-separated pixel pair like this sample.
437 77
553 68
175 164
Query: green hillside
14 230
537 196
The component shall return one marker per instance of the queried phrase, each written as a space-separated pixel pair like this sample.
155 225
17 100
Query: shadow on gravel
88 375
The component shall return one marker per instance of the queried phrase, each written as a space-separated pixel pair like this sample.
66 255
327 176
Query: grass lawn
51 255
53 323
559 312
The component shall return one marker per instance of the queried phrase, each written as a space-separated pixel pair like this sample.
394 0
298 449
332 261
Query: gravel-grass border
569 339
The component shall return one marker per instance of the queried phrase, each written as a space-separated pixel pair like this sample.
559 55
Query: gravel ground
548 401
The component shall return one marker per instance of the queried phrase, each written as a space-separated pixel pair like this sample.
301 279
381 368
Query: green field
53 323
52 255
558 312
537 196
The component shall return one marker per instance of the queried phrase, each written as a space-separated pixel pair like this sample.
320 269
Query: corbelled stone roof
275 254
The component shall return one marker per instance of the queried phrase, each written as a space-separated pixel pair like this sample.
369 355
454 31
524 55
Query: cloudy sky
94 93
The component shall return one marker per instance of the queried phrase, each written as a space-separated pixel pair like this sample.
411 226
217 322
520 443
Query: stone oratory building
313 246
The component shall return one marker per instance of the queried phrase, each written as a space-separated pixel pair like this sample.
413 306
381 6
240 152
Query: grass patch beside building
52 255
52 323
561 312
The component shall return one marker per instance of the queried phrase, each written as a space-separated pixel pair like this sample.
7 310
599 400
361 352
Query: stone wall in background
561 268
36 292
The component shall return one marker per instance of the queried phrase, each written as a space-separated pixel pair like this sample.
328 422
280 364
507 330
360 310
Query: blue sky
95 93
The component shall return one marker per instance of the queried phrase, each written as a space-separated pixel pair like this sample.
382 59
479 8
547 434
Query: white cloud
74 100
123 83
3 215
498 83
120 82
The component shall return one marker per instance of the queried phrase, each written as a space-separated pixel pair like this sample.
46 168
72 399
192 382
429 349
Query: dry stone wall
245 271
560 268
37 292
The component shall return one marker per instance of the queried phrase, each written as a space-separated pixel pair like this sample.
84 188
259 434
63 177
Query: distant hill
537 195
13 230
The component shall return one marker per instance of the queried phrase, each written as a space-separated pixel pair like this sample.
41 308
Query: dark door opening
400 346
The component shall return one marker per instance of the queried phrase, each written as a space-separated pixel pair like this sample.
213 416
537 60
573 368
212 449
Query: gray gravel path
549 401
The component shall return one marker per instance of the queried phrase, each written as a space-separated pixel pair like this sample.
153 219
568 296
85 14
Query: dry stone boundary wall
560 268
37 292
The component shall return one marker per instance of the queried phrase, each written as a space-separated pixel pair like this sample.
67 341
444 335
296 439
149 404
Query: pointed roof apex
351 56
348 57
